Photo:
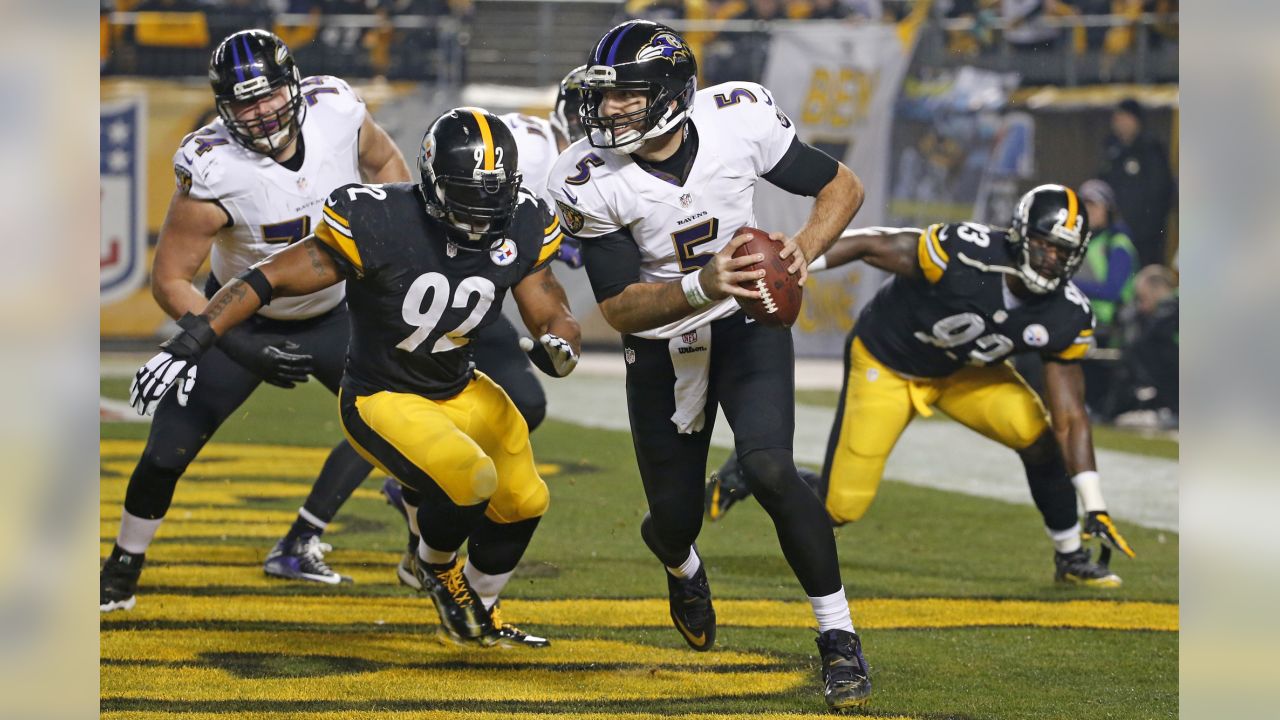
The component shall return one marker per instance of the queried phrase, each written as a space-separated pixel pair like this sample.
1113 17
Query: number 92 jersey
416 299
960 312
270 205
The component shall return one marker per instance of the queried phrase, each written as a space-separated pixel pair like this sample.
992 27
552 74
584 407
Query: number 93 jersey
270 205
417 299
961 312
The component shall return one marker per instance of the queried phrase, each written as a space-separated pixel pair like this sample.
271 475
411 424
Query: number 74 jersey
961 312
416 299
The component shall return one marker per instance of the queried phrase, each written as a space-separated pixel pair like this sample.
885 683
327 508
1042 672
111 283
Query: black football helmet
565 118
646 56
1050 233
248 66
470 180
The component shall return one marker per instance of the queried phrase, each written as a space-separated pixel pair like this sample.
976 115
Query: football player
249 183
656 192
963 300
427 266
497 348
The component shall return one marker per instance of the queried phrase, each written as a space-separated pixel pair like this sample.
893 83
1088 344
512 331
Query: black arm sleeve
612 261
803 170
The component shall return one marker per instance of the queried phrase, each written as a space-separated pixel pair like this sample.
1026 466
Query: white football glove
551 354
155 378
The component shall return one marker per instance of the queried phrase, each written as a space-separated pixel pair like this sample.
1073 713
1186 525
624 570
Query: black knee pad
151 486
1044 450
770 473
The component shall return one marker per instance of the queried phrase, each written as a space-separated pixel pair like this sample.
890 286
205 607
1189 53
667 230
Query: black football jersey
960 312
416 300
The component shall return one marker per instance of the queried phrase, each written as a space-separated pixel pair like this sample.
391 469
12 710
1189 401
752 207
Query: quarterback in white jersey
656 192
248 184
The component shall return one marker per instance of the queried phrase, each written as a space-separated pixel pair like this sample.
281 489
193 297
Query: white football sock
688 567
432 556
136 533
1065 541
832 611
488 587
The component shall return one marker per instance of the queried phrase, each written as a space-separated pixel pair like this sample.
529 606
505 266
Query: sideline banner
123 174
838 83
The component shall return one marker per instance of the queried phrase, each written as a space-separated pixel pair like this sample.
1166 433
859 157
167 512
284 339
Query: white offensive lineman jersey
271 205
536 143
741 136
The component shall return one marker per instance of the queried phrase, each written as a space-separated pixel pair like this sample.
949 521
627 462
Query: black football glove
1100 525
551 354
272 359
175 364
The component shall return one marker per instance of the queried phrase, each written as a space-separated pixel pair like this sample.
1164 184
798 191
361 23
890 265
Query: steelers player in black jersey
427 266
964 298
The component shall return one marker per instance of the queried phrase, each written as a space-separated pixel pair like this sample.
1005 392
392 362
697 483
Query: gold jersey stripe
345 246
1075 351
933 260
330 212
555 223
549 248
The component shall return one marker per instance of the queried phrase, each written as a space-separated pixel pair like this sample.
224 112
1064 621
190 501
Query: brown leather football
780 291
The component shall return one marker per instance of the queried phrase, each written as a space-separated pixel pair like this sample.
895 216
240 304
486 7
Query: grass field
952 594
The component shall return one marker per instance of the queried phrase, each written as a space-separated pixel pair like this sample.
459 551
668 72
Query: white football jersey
271 205
741 136
536 143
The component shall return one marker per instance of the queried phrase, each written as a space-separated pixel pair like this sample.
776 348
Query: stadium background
964 88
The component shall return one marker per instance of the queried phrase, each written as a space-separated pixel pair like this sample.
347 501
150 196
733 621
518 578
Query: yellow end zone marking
877 613
404 648
519 683
453 715
227 554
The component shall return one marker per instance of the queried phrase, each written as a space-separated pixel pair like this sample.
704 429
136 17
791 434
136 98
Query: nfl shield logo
685 199
630 355
690 337
122 266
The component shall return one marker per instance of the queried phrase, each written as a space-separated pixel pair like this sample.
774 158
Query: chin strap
1007 270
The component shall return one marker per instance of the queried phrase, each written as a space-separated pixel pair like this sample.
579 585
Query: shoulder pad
201 161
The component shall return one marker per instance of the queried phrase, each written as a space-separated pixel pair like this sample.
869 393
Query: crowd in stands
1028 29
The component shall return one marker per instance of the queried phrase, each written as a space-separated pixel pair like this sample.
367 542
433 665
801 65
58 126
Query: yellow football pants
878 404
473 446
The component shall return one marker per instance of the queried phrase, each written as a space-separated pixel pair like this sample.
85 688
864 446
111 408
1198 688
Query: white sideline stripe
942 455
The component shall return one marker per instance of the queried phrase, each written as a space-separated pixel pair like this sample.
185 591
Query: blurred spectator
235 15
985 15
1146 388
828 10
655 10
1107 277
1136 166
1026 29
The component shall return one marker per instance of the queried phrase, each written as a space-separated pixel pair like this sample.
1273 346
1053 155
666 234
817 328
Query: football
780 291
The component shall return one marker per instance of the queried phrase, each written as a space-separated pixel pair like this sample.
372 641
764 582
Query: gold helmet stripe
486 135
1073 208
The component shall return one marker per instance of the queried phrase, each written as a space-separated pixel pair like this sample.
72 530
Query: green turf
916 542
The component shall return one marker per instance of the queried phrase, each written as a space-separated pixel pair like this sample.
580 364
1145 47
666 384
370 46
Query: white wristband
819 264
1089 487
693 292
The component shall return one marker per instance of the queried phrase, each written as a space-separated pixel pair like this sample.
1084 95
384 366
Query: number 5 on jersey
438 286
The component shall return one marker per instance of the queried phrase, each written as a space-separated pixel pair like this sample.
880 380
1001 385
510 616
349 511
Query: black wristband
196 337
254 278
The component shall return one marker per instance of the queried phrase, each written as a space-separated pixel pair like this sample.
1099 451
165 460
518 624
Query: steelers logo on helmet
468 164
257 89
1050 234
650 59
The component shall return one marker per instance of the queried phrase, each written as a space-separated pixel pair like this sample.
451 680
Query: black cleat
507 635
845 679
725 487
691 609
118 581
462 616
1076 568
